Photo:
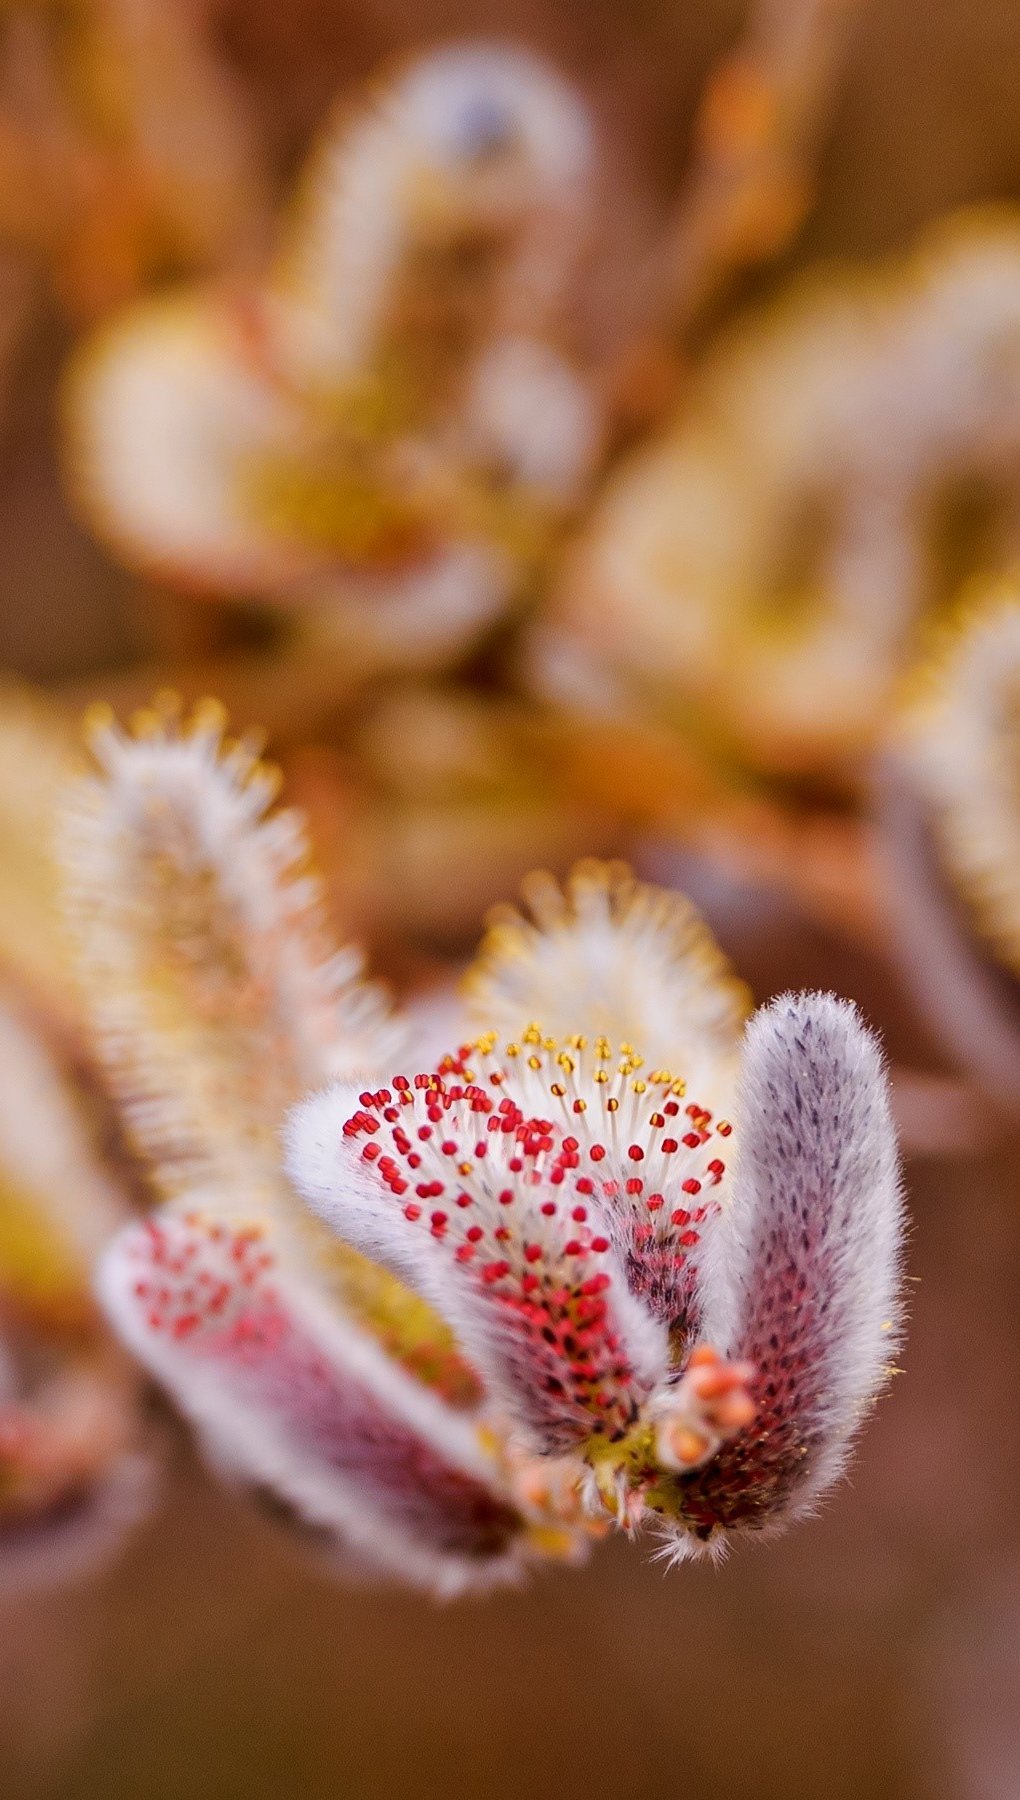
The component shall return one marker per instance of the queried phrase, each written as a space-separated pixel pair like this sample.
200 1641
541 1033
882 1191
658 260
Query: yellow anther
99 718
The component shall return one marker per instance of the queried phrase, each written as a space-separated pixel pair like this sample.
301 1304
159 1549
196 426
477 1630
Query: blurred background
163 526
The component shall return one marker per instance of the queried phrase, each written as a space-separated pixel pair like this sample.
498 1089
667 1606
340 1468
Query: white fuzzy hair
817 1202
254 1440
352 227
178 797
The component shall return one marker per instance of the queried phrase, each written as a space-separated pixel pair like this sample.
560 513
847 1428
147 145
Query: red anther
366 1098
474 1233
690 1186
571 1143
556 1177
654 1203
680 1217
691 1139
716 1167
424 1132
635 1184
464 1200
597 1152
671 1109
448 1147
635 1152
669 1145
724 1128
464 1252
439 1219
515 1165
506 1196
412 1212
370 1152
398 1185
657 1120
580 1213
596 1284
532 1252
401 1082
495 1271
529 1282
689 1238
573 1248
548 1208
584 1185
600 1243
413 1160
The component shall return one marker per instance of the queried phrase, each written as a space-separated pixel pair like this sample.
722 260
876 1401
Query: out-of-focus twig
757 131
750 183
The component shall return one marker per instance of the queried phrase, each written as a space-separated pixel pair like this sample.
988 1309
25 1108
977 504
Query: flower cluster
380 435
756 576
545 1281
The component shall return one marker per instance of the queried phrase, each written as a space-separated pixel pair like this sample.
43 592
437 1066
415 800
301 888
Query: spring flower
586 1314
311 1374
755 578
382 433
949 812
703 1340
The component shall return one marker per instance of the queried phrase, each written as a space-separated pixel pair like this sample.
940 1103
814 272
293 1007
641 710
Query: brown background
872 1653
